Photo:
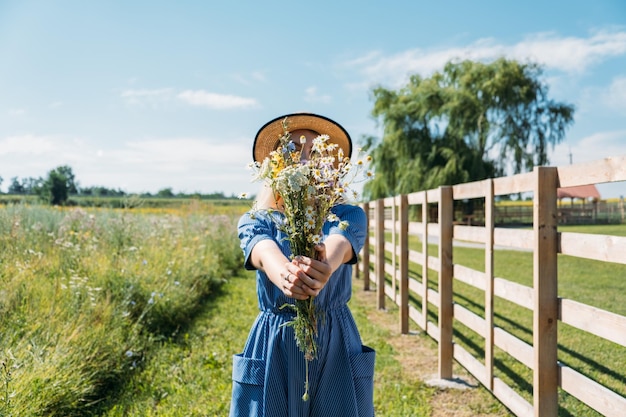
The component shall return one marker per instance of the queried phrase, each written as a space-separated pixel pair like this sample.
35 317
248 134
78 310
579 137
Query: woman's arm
304 276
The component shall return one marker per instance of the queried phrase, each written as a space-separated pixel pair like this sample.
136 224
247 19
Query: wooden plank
389 292
417 318
433 263
469 190
470 276
426 262
596 396
432 196
488 282
433 297
470 319
389 270
514 292
511 399
602 323
394 240
416 287
433 331
380 254
514 238
417 257
596 172
470 363
515 347
519 183
469 233
445 217
416 198
365 253
415 228
404 265
599 247
545 279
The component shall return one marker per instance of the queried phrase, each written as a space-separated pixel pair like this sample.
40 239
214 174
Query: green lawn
599 284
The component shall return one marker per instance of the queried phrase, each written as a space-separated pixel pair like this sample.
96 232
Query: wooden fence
385 263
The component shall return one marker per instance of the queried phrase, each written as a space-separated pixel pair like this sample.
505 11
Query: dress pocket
363 374
248 380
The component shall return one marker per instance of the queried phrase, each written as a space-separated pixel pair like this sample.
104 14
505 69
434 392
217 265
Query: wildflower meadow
86 296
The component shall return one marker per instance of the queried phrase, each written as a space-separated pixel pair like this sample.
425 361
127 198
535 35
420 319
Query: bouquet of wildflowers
309 188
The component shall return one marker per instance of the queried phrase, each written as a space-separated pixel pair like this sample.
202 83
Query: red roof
579 191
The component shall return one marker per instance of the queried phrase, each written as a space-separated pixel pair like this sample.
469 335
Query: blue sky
144 95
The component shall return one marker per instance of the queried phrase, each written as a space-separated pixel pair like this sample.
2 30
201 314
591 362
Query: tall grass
85 294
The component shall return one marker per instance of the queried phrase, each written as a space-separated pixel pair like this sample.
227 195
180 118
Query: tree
16 187
165 193
55 188
70 178
469 122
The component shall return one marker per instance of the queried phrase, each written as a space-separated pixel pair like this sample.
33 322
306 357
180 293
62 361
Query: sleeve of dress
252 229
356 230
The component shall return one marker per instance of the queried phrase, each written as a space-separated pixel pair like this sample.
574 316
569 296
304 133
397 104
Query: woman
269 375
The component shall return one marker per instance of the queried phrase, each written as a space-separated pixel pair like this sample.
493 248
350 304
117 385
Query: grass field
138 312
595 283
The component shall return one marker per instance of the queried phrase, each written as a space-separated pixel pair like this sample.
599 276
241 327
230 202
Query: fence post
446 317
394 254
404 265
489 277
545 312
380 253
425 263
366 250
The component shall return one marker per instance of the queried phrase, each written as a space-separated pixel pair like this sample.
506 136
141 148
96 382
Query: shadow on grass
168 332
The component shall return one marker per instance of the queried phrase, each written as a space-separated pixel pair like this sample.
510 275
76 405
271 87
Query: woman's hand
305 277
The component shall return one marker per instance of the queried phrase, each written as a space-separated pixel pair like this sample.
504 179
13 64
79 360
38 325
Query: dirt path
418 354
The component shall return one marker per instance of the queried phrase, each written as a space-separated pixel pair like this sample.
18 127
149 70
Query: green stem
305 397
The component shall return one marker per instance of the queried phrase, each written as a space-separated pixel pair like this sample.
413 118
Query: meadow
86 297
137 312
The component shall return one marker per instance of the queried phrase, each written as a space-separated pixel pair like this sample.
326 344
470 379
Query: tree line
60 184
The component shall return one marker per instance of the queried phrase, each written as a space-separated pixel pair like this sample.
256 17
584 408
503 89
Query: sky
146 95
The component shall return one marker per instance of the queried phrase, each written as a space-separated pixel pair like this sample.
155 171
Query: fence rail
390 253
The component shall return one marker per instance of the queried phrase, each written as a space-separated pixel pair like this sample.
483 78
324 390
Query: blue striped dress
269 375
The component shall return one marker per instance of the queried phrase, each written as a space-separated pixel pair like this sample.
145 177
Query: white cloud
615 97
185 164
175 151
216 101
159 97
17 112
312 96
27 145
566 54
147 98
590 148
249 79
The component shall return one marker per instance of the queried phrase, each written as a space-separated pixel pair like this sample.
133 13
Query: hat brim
268 137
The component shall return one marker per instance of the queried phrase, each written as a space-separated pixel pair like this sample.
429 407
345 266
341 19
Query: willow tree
469 122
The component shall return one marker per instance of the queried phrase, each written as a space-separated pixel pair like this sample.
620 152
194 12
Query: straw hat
268 137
